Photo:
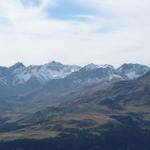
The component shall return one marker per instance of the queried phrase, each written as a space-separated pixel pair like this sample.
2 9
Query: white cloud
118 33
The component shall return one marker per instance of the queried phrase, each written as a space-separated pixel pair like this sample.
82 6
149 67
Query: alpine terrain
62 107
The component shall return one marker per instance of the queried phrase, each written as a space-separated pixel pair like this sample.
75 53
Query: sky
74 31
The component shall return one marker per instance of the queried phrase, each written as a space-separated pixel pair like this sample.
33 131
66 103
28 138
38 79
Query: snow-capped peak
55 66
17 65
94 66
52 70
55 63
42 73
106 66
91 66
132 71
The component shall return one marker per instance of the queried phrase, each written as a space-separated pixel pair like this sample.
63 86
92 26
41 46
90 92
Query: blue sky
63 9
3 21
31 2
68 10
74 32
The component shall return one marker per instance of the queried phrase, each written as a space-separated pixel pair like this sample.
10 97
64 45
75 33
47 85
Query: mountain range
39 102
20 74
22 86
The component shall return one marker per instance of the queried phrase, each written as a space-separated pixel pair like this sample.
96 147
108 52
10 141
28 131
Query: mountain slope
119 96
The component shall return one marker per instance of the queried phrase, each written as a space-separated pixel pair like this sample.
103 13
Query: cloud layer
76 32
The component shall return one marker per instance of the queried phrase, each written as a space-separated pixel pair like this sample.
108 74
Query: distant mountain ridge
20 74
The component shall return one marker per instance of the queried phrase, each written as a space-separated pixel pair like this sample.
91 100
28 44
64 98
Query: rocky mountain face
20 74
133 71
19 79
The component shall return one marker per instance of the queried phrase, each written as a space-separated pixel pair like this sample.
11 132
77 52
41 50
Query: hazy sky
75 31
